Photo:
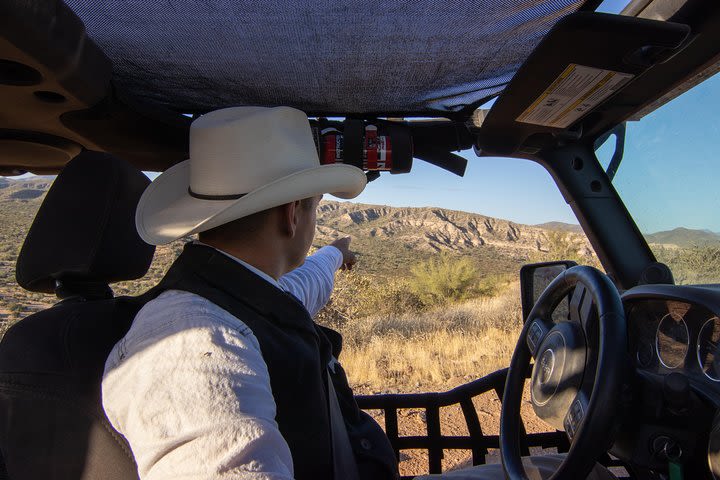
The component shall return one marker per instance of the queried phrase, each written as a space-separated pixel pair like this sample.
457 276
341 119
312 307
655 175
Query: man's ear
289 218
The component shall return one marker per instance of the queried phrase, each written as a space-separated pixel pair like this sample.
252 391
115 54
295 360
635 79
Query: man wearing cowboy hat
224 374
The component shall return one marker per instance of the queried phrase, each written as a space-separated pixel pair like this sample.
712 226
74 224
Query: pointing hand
349 258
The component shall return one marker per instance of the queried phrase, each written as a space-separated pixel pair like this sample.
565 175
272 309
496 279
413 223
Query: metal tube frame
476 441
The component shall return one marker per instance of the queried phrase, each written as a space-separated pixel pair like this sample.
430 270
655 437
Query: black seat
52 425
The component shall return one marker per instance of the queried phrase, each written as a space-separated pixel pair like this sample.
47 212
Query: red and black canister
373 148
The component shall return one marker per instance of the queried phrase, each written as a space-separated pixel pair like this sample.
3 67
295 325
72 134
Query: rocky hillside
25 189
389 240
561 227
430 229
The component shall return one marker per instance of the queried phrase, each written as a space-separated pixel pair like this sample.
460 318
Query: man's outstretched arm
312 283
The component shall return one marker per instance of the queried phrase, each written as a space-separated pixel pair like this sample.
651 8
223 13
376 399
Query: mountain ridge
560 226
393 239
684 237
428 228
431 229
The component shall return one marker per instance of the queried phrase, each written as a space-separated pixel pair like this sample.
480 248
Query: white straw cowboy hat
242 160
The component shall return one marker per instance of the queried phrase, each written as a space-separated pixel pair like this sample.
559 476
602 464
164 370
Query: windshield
668 181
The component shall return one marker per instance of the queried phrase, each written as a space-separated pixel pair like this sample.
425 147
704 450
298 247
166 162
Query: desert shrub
501 312
444 278
440 281
347 300
396 297
560 246
696 264
493 284
566 246
358 295
435 348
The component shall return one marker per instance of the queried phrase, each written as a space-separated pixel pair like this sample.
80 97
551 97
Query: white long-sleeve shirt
189 389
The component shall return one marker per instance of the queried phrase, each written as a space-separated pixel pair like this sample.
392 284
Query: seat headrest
84 232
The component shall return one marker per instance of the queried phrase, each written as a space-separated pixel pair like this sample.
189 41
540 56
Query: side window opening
668 182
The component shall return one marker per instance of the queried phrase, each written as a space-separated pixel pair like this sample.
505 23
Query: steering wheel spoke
581 307
576 414
536 333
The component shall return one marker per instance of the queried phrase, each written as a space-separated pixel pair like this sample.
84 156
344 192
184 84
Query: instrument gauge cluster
675 336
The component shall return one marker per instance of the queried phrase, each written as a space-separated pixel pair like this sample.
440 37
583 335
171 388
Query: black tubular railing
476 441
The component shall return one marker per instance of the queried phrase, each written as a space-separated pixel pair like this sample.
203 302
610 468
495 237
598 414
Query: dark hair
246 226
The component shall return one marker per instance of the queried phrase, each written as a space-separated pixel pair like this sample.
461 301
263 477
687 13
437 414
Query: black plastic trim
617 241
706 296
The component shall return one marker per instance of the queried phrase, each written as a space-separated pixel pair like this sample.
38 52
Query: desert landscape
433 302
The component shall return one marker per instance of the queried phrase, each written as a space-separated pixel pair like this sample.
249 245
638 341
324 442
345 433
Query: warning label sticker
574 93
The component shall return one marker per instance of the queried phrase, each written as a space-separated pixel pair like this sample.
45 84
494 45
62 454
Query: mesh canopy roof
325 56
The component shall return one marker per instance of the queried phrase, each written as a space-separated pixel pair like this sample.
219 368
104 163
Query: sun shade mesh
339 56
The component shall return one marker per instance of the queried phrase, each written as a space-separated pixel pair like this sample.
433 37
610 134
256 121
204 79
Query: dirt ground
412 422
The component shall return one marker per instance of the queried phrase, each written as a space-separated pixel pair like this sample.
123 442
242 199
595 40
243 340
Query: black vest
297 352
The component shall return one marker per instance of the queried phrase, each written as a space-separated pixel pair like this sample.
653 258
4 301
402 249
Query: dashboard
670 335
676 329
674 344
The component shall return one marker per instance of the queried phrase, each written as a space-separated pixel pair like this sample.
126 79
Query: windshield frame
607 223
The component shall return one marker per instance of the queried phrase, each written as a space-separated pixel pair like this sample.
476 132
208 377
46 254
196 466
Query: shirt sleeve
192 396
312 282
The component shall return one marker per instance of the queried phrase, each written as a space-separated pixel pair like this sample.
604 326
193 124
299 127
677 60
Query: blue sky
514 189
667 178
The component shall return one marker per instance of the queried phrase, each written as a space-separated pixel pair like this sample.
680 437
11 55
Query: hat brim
167 211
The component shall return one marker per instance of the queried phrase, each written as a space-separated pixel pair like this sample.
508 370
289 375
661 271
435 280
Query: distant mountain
388 239
560 227
428 228
684 237
24 188
393 236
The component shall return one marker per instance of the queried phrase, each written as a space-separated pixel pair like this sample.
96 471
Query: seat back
52 425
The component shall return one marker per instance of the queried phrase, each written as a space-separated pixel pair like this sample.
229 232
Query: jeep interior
86 81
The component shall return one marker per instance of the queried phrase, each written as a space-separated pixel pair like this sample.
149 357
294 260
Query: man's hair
246 226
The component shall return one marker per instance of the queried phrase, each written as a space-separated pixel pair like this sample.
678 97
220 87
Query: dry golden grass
436 348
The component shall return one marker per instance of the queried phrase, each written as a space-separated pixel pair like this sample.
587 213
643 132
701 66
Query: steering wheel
578 373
